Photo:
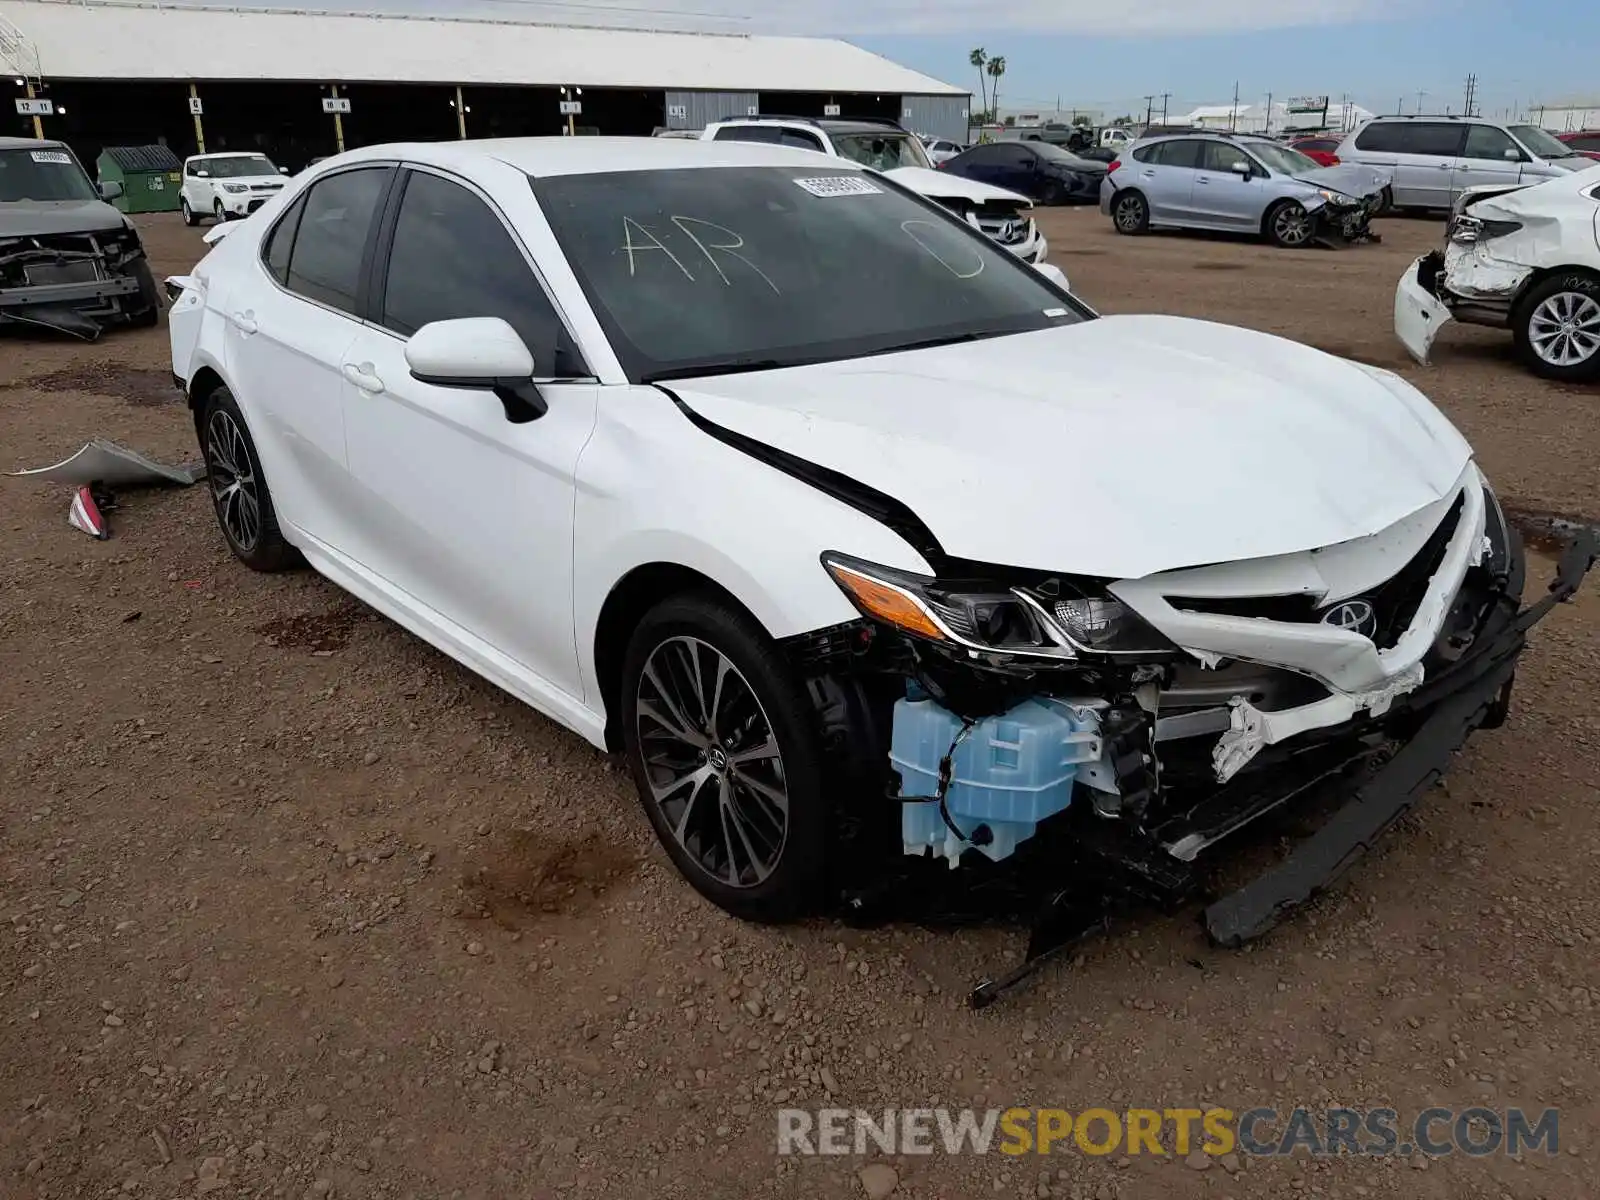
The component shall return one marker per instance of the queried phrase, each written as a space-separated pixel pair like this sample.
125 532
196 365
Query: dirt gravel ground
294 906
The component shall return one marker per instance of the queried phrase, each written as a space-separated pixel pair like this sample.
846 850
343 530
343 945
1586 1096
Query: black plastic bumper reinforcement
1479 686
1472 693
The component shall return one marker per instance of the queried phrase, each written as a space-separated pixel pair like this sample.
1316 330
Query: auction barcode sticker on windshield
51 156
839 185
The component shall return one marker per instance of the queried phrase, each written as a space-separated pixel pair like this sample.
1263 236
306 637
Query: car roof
230 154
19 143
545 156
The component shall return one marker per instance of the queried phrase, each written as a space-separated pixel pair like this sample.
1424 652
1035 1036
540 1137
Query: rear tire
239 492
1130 212
1556 327
723 747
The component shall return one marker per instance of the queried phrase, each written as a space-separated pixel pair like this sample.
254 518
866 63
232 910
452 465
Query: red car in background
1318 149
1586 142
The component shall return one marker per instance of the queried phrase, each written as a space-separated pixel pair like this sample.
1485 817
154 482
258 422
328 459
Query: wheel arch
1541 275
630 598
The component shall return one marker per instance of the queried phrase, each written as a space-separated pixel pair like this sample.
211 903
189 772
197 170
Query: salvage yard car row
788 426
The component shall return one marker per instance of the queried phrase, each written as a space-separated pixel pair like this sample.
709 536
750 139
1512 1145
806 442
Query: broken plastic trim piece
102 461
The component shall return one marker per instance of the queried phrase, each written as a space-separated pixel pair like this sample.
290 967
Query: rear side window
331 240
1485 141
1434 138
452 256
1185 152
280 242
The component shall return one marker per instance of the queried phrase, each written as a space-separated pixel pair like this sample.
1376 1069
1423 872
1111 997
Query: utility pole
1268 129
1420 95
1233 113
1165 96
1400 107
1149 108
1472 89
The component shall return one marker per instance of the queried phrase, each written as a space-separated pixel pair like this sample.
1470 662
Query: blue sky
1106 55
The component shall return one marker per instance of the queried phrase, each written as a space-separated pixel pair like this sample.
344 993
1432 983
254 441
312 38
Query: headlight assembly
1054 620
235 188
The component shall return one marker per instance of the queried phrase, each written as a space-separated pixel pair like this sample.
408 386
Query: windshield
234 168
1541 142
48 173
707 270
881 151
1282 159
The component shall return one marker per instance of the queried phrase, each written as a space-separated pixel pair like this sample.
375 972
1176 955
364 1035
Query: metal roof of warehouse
76 40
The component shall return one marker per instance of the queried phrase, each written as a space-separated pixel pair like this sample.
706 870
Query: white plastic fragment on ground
105 462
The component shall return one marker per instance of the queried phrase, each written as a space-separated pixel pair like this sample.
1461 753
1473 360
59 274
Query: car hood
1116 447
1576 162
1352 179
23 218
938 185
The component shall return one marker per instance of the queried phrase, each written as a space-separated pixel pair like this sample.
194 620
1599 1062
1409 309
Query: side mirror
481 354
111 189
1054 274
202 174
283 170
1512 154
1241 169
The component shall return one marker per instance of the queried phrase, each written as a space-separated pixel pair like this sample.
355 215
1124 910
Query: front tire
148 314
1130 212
189 218
1289 225
239 492
220 213
1556 327
726 758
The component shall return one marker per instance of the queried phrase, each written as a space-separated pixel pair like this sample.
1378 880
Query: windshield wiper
929 343
733 366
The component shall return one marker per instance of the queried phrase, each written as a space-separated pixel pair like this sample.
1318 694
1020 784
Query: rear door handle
363 377
244 322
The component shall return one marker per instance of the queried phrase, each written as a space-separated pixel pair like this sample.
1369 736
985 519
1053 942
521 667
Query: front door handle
1447 166
363 376
244 322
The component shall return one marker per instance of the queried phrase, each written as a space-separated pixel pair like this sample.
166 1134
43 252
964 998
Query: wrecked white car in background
1520 257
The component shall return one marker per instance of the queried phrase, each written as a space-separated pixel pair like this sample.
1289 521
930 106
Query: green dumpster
151 177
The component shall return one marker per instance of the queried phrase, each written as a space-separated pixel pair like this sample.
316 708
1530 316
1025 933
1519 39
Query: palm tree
978 58
996 68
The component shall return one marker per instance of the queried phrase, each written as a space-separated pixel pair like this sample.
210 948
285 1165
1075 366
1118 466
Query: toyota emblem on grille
1355 615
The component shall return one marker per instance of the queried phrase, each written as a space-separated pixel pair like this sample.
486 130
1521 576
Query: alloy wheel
1291 226
712 762
1129 211
1564 330
233 480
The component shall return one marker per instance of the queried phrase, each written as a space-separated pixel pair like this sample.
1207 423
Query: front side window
43 173
881 151
330 243
1485 141
452 257
696 271
1220 156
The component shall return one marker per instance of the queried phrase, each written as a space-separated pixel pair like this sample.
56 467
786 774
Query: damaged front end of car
1134 725
76 283
1345 220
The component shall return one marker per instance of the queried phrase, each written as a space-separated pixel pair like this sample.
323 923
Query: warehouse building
297 84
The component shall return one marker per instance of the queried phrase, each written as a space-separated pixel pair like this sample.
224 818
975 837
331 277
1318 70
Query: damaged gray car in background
69 261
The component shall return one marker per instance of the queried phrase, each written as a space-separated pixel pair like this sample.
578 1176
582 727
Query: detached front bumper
1472 692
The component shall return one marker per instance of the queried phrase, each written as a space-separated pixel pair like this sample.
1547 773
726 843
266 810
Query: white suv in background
1435 159
888 147
228 186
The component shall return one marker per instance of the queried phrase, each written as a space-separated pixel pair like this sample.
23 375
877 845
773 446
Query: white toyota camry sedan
864 541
